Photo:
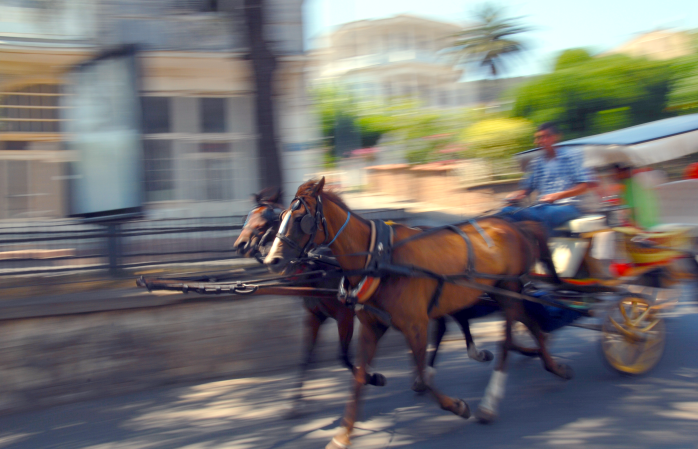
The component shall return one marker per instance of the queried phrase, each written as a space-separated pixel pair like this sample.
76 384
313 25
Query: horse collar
380 245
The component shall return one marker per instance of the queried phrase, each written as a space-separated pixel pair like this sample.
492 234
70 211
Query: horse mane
307 189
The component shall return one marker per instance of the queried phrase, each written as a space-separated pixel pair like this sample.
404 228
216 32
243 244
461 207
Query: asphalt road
598 408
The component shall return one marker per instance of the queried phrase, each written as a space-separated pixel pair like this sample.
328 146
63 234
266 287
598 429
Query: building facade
400 56
197 97
657 45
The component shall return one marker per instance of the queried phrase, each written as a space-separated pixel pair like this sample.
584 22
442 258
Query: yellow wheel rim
633 336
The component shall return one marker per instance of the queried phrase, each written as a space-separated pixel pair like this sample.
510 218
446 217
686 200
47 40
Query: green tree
343 117
683 97
571 57
491 41
574 96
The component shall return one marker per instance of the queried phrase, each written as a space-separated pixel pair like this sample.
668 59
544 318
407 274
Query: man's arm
517 195
527 184
574 191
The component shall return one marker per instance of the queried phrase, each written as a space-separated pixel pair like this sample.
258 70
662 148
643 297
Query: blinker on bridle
310 225
268 214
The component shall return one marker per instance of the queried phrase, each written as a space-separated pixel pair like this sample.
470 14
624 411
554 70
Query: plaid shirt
558 174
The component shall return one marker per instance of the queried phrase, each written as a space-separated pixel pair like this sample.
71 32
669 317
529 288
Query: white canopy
638 146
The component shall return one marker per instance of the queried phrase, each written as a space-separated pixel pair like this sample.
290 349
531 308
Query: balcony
345 65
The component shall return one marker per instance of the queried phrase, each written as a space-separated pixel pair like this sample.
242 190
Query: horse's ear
257 197
318 187
277 196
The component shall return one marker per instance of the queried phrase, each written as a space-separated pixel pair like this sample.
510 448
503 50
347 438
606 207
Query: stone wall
141 341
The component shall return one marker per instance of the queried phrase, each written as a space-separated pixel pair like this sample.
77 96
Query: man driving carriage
559 178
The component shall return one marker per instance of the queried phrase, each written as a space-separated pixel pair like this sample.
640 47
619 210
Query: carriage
626 308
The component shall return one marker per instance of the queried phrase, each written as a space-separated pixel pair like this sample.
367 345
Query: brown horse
260 225
506 251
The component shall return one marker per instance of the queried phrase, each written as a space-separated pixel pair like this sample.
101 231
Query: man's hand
516 196
550 198
574 191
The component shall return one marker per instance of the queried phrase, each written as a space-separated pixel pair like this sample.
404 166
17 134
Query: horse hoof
297 410
418 386
340 441
462 410
485 416
334 444
565 371
378 380
486 356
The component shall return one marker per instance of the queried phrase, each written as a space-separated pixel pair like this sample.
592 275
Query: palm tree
491 40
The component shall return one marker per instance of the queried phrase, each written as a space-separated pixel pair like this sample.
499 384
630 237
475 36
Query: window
443 98
197 5
156 114
31 109
213 116
18 187
217 173
14 146
159 170
387 89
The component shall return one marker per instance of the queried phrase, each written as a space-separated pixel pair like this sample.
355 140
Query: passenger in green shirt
638 194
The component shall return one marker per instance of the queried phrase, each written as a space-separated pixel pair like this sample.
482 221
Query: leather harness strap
379 255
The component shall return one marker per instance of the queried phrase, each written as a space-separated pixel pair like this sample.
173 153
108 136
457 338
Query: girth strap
435 297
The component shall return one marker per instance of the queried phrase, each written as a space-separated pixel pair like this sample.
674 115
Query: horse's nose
273 263
242 247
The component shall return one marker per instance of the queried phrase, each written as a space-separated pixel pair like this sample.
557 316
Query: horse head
300 223
260 225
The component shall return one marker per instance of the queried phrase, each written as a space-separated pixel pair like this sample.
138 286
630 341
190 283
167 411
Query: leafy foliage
497 138
570 58
683 97
575 96
492 40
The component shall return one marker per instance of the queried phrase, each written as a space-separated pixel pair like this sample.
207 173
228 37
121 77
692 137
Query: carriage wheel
633 336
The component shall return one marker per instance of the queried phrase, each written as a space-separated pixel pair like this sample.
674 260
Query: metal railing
55 246
68 245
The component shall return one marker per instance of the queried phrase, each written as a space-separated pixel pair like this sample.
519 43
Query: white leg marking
494 392
429 374
341 433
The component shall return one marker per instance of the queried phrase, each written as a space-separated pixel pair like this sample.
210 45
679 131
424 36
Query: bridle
271 215
310 225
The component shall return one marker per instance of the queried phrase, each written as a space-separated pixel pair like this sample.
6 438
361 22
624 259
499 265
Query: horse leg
494 393
345 326
462 317
370 333
416 337
420 386
559 369
312 328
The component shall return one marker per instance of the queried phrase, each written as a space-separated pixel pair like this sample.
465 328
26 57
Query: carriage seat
586 223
